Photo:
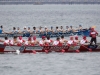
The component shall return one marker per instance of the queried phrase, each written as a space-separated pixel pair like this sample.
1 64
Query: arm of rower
1 41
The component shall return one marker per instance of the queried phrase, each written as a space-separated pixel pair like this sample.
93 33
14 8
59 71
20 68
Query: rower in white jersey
62 40
14 41
48 41
76 40
56 42
71 41
6 41
84 40
28 42
34 41
20 40
42 42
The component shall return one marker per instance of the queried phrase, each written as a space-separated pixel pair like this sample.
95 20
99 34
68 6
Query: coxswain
42 42
71 41
14 41
48 41
62 40
6 41
84 40
56 42
93 35
34 41
1 29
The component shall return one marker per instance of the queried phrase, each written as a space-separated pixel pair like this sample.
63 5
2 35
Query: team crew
46 41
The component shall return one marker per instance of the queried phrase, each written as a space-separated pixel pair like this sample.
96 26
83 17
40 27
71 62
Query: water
50 64
53 63
49 15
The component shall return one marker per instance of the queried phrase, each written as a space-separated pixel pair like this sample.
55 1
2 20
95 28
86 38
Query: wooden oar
90 50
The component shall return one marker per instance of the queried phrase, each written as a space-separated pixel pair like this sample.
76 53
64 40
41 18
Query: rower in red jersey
57 42
62 40
71 41
48 41
28 42
14 41
34 41
93 35
42 42
76 40
84 40
20 40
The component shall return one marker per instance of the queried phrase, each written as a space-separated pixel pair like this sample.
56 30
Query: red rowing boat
31 49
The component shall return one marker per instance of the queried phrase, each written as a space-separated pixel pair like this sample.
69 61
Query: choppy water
53 63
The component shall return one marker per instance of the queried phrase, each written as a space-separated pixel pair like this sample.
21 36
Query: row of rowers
32 41
44 29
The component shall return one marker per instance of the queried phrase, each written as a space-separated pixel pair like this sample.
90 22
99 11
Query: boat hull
51 34
31 49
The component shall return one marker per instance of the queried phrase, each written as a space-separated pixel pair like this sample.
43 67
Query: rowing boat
51 34
31 49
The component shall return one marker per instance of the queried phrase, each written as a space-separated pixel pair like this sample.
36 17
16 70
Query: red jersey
93 34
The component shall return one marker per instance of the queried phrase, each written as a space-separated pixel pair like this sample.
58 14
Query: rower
56 43
57 30
62 40
34 30
80 28
14 31
93 35
34 41
52 29
29 30
25 30
6 41
14 41
76 39
71 29
1 29
84 40
20 40
61 29
48 41
40 30
71 41
28 42
18 30
42 42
